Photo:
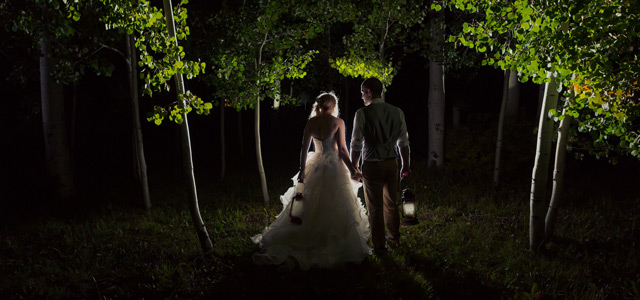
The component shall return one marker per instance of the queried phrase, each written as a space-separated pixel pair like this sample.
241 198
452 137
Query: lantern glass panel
408 209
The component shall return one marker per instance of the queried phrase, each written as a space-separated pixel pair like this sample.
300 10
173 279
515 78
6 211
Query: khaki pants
381 196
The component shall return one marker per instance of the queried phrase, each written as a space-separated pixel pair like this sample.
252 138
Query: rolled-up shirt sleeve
357 136
403 138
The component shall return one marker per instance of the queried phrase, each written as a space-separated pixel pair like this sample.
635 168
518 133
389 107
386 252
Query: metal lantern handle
296 197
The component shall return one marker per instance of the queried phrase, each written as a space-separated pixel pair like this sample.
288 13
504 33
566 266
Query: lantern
295 213
409 216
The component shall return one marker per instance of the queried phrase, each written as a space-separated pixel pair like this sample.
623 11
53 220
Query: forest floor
471 242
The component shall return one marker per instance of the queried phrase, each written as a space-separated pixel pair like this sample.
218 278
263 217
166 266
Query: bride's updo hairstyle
324 102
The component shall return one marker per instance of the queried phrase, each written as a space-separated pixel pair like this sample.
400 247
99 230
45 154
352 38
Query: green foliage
159 57
176 111
359 68
592 44
379 28
73 41
256 46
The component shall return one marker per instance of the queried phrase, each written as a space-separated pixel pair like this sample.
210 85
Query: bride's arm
342 148
306 142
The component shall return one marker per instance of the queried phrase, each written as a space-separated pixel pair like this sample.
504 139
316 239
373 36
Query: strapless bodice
324 146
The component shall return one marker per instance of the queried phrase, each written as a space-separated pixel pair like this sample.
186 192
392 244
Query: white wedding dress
334 228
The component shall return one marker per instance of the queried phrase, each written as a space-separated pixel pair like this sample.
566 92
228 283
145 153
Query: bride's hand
357 175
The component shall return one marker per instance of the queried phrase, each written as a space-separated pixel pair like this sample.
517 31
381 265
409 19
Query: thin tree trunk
558 176
141 163
223 154
503 108
263 177
540 174
187 159
291 90
513 102
276 98
436 100
56 138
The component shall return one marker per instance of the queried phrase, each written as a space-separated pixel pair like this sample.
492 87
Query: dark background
102 146
102 143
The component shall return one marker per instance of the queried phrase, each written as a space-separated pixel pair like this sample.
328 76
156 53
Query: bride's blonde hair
324 102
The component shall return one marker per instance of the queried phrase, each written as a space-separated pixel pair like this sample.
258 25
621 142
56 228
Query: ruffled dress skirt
334 229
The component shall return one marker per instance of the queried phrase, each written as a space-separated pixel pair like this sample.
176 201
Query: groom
378 128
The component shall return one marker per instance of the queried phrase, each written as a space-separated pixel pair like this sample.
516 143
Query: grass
471 243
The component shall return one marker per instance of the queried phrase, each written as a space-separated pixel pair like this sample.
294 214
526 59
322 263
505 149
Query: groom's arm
357 139
355 159
405 156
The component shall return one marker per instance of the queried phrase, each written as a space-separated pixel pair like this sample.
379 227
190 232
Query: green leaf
465 27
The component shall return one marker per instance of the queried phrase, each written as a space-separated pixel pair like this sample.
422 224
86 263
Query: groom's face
366 95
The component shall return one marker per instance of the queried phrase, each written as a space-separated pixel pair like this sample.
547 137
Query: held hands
356 175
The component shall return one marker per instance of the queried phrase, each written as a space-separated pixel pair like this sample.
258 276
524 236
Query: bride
334 229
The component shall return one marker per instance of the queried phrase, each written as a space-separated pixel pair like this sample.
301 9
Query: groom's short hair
374 85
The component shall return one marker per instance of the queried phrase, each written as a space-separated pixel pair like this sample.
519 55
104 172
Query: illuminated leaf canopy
591 47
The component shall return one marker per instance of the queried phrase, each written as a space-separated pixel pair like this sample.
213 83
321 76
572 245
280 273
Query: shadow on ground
376 278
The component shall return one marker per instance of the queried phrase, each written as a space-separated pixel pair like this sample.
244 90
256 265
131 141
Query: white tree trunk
436 100
540 175
513 102
141 163
263 177
503 108
56 140
187 159
558 176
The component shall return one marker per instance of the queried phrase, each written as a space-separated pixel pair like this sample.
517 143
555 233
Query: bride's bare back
323 126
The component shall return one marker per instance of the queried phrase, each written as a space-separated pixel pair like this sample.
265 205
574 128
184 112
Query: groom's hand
357 176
